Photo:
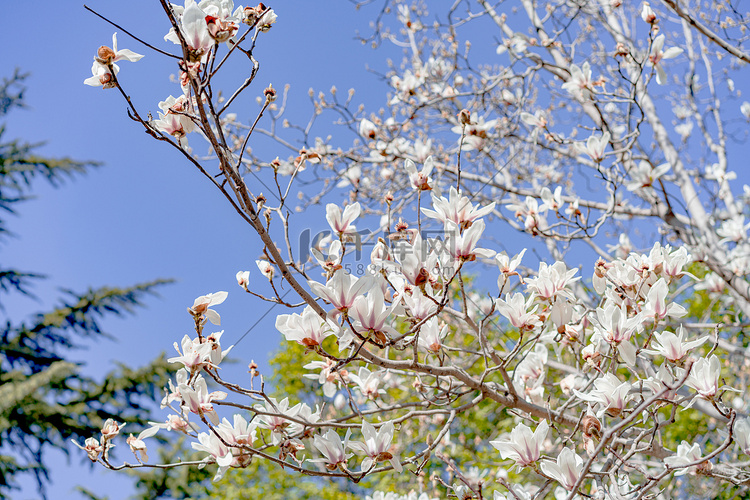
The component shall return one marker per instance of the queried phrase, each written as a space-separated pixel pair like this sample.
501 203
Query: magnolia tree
609 358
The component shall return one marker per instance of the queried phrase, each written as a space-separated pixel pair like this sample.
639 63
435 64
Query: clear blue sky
146 213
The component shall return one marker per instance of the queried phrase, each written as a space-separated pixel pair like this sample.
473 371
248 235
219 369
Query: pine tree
45 401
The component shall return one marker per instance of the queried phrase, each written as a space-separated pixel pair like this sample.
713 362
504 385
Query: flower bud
464 117
591 426
105 55
270 93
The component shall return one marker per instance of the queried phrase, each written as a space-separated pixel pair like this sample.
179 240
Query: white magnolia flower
92 447
457 208
611 394
105 57
524 447
332 449
202 304
368 129
376 446
463 245
307 329
647 13
341 222
566 470
658 55
594 147
673 347
101 76
431 336
275 416
138 446
643 175
198 400
519 311
580 85
266 268
656 306
686 453
420 180
342 289
243 279
194 356
704 377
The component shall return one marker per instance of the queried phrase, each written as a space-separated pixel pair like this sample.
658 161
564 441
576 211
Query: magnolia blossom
368 382
102 75
553 281
616 327
475 132
92 447
566 470
341 223
657 55
342 289
644 175
218 452
420 180
524 447
552 201
198 400
431 336
463 245
332 449
275 416
266 268
307 329
194 28
372 313
216 354
594 147
367 129
110 429
202 304
673 347
194 355
175 119
138 446
611 394
580 85
508 268
656 306
457 208
704 377
519 311
647 13
733 229
376 446
420 306
686 453
243 279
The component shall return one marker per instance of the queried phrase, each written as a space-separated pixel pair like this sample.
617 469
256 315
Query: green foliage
44 399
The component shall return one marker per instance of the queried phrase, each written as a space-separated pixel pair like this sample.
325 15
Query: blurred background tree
45 400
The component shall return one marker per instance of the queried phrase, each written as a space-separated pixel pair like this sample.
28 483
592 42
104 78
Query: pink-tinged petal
128 55
671 53
661 75
213 316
